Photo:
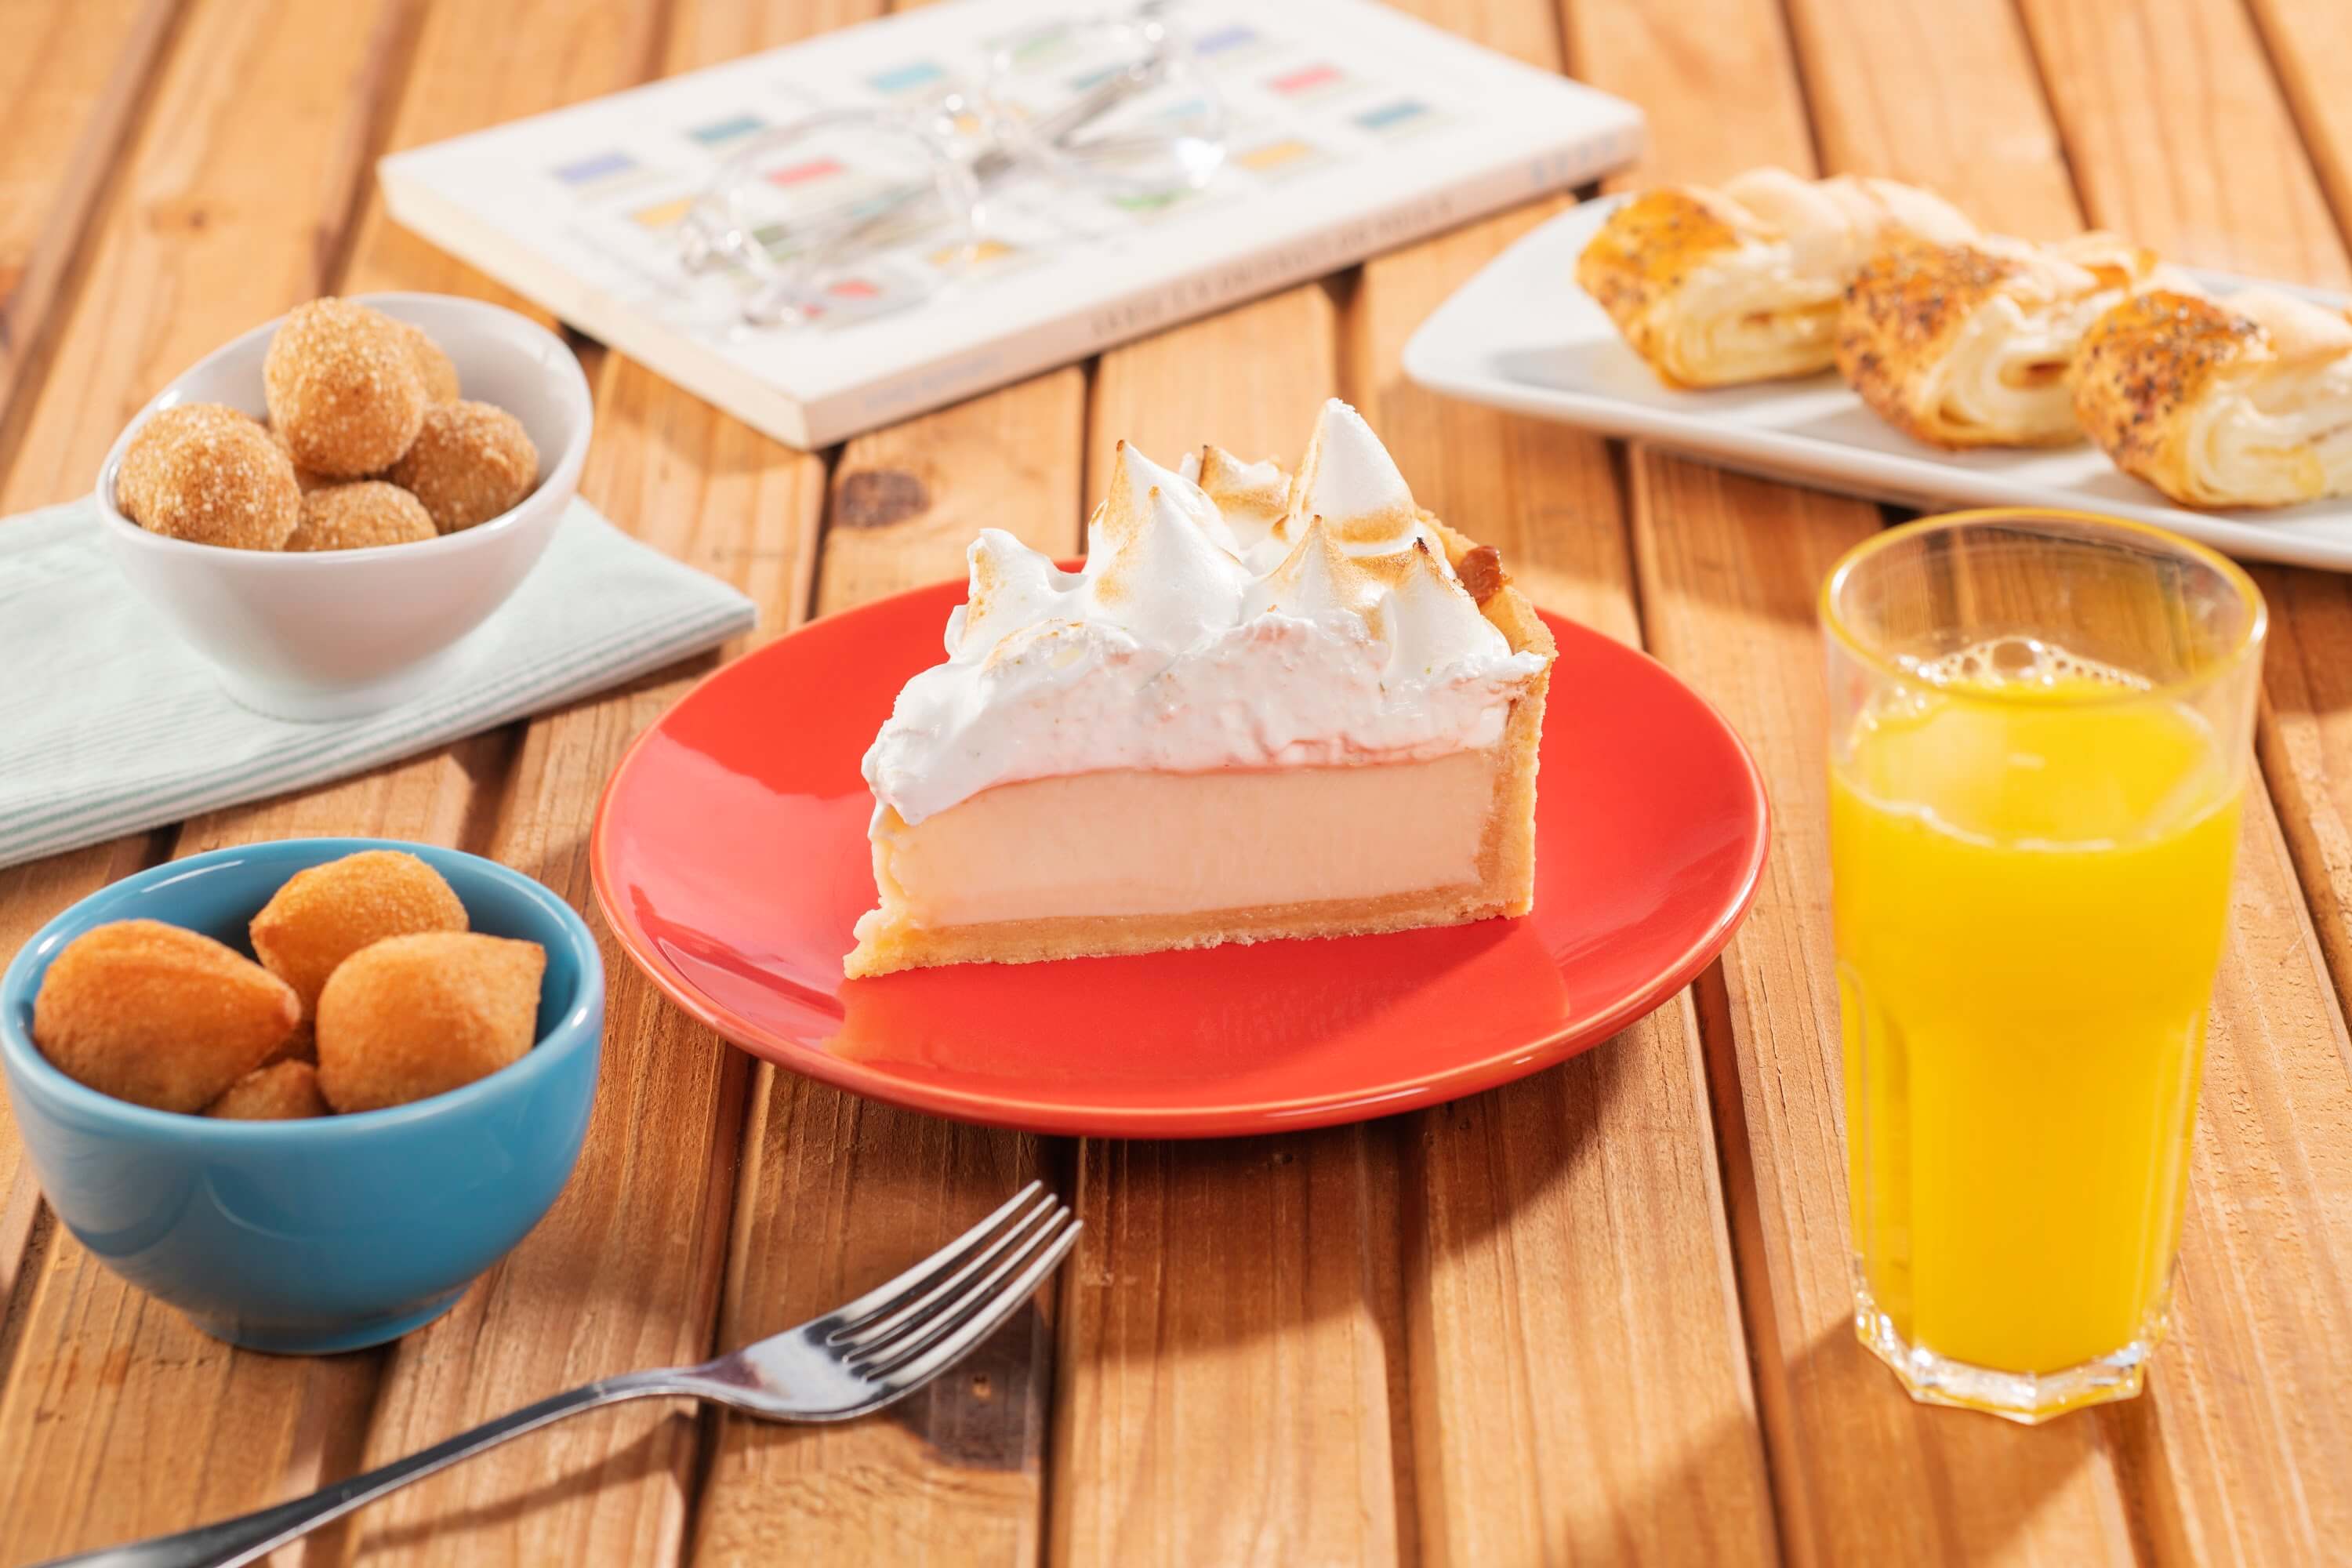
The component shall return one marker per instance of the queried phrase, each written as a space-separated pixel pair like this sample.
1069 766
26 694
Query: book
1351 129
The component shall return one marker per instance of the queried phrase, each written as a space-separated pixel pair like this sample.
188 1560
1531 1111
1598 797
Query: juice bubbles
2031 856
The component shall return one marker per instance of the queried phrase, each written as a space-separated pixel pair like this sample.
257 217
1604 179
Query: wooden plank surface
1228 1314
1578 1374
834 1193
71 82
2308 42
1577 1370
135 1386
2250 1416
1728 570
1507 1330
624 1271
838 1193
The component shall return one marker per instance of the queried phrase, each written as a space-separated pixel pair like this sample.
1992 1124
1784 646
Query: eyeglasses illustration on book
861 210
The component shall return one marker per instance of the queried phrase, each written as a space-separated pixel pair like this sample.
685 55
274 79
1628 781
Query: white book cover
1351 128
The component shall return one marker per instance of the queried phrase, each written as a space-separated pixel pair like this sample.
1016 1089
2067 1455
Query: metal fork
857 1359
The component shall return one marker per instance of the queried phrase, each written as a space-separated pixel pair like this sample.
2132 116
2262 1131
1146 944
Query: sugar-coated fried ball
417 1015
304 480
159 1015
440 375
282 1091
470 462
358 515
323 914
205 472
134 481
343 387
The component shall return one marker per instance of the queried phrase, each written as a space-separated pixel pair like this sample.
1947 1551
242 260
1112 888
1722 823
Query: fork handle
248 1535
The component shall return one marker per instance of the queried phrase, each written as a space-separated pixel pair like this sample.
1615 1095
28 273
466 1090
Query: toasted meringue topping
1228 616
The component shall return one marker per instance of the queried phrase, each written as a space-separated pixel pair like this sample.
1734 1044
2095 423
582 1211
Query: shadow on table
668 1445
1975 1481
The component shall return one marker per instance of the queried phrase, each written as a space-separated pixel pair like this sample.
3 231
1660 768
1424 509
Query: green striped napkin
110 725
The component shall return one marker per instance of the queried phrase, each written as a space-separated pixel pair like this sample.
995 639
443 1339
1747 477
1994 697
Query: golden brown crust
1641 258
1903 309
1481 570
2141 365
282 1091
1909 307
159 1015
323 914
1104 936
412 1016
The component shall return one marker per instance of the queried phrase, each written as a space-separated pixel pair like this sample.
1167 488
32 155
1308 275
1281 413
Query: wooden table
1601 1315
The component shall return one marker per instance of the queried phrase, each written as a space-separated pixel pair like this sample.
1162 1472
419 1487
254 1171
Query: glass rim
2249 642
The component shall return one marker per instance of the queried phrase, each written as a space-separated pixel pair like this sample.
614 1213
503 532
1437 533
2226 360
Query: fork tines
956 1297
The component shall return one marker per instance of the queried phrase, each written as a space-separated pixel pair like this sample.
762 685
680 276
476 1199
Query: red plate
730 859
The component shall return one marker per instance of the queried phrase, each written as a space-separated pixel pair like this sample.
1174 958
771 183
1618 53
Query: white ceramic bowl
335 634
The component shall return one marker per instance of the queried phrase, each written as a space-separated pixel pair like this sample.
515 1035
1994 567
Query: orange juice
2032 873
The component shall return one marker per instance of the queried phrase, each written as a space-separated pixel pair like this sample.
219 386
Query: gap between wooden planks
2242 1407
93 1363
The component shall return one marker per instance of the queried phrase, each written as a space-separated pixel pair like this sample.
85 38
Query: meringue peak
1315 579
1348 479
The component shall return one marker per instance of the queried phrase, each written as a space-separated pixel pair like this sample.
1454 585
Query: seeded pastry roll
1741 282
2246 401
1969 345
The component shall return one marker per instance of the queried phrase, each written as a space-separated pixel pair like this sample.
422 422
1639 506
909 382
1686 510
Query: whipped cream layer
1228 616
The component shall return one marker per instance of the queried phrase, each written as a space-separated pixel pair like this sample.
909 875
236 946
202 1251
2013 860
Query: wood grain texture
112 1391
838 1193
1943 95
2240 1451
475 66
216 221
170 275
2308 41
1230 1314
72 81
624 1270
1728 571
2178 135
1578 1369
1718 79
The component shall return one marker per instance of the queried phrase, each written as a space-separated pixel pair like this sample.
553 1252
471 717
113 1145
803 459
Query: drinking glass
2040 726
858 212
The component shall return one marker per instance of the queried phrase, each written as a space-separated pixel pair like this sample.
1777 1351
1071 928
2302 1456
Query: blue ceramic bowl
323 1235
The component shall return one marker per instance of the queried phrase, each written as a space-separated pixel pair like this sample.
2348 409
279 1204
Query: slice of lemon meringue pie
1270 705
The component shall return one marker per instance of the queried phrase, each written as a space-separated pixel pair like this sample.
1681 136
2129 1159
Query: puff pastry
1741 282
1969 345
2246 401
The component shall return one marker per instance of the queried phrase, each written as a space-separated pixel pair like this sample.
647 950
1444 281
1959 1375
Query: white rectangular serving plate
1522 336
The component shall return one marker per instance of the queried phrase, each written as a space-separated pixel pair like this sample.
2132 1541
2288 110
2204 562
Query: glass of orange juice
2040 730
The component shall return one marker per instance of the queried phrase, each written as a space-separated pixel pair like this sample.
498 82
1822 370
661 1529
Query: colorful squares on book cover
915 75
1293 107
724 132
